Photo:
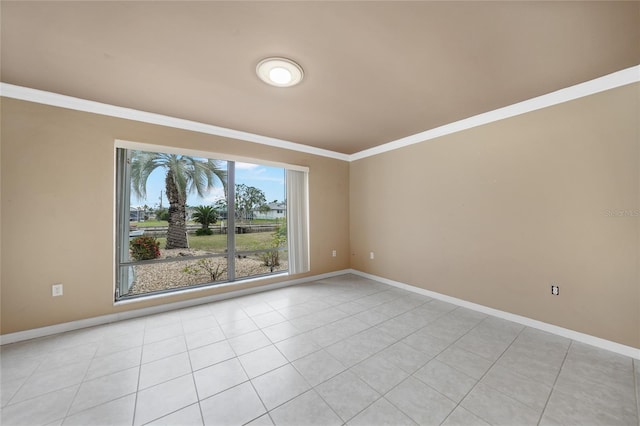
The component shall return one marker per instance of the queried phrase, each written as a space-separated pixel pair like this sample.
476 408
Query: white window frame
122 192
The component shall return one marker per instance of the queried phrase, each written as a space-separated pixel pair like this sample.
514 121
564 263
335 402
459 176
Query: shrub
270 258
206 266
279 239
144 248
204 231
205 215
162 214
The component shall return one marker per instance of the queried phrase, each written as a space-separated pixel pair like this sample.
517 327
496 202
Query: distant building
276 211
138 215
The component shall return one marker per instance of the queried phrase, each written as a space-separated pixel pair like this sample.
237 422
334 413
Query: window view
187 221
260 220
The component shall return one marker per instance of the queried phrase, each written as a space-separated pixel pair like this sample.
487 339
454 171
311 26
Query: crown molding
601 84
69 102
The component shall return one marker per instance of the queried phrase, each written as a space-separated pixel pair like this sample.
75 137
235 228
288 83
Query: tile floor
344 350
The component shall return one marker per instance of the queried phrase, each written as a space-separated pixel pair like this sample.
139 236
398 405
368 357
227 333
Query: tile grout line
344 422
459 404
138 366
83 380
382 395
249 379
250 317
80 385
135 402
334 294
159 359
321 348
40 362
566 354
168 380
637 386
193 377
478 380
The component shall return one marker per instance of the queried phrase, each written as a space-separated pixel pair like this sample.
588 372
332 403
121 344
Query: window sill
190 290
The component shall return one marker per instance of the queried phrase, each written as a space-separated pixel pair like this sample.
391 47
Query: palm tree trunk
177 232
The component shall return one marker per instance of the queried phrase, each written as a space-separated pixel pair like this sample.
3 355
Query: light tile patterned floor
344 350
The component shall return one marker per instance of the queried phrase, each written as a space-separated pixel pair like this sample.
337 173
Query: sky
269 179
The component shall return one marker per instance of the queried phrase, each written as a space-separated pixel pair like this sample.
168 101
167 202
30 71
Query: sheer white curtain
298 221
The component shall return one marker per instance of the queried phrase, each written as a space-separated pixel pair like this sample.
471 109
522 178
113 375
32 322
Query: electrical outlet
56 290
333 253
371 255
555 290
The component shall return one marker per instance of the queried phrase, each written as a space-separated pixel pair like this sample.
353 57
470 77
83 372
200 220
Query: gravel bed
164 276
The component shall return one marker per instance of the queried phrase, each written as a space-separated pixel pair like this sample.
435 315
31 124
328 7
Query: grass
148 223
218 242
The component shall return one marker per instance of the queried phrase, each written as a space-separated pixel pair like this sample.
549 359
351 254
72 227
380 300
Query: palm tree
184 175
205 215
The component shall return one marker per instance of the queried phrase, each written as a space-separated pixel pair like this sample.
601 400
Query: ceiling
374 71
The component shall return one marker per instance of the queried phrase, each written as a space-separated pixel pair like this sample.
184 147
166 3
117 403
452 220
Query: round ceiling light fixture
279 72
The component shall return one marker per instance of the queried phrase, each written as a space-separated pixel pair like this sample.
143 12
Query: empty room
319 213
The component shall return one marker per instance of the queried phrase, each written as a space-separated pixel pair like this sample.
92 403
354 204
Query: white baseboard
109 318
529 322
120 316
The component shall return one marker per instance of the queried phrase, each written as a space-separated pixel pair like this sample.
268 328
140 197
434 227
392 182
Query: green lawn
148 223
218 242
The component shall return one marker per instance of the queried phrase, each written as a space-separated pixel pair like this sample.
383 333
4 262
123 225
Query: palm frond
142 165
189 174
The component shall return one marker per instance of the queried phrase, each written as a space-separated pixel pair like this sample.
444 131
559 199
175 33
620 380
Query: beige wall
496 214
57 163
492 215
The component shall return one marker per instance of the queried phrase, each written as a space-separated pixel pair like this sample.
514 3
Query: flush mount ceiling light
279 72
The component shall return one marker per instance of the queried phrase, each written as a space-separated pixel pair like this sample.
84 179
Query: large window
187 220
